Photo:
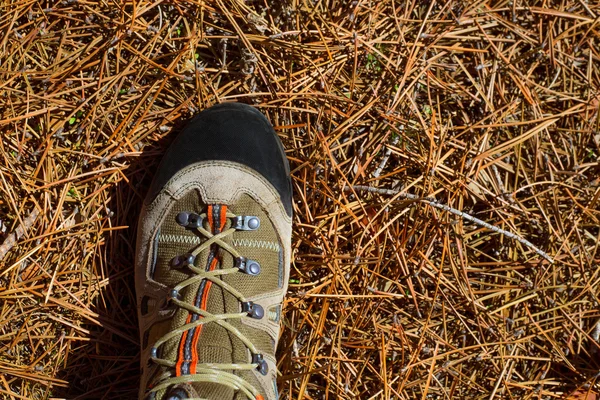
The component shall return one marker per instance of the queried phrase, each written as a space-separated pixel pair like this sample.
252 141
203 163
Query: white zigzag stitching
179 239
260 244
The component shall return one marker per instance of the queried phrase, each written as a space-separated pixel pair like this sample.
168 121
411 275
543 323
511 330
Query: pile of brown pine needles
488 107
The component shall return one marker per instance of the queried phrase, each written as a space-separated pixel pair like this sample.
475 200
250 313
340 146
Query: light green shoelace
209 372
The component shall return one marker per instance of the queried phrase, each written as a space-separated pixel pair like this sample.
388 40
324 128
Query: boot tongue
215 345
209 343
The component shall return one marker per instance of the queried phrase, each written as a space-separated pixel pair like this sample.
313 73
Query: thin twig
596 335
13 238
435 203
386 156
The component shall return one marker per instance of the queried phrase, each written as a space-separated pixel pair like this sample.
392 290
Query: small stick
434 203
12 239
386 157
503 192
596 335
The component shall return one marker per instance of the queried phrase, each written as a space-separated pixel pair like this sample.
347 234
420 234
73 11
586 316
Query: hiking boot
212 260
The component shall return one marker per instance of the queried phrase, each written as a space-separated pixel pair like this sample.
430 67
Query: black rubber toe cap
232 132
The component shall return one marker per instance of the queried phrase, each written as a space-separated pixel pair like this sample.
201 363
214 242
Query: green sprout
373 62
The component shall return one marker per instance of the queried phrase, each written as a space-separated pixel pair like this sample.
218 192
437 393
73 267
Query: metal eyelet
262 367
189 220
250 267
245 222
254 311
183 261
173 294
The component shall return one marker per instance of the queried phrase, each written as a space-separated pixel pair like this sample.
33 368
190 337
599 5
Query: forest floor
390 112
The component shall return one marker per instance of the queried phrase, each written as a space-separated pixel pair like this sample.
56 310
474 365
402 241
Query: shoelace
214 372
